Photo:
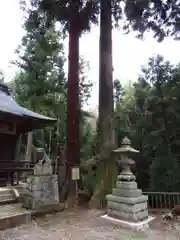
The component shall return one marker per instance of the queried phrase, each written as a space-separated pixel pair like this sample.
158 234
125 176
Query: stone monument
127 205
42 186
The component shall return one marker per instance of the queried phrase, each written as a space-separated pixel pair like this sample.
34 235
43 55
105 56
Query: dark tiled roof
9 106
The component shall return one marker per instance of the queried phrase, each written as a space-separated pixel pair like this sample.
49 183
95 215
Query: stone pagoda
126 202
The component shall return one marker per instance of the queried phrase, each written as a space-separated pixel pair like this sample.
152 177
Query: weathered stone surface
14 220
126 201
43 191
48 209
43 167
127 207
128 216
12 215
127 193
126 185
42 187
132 201
7 195
55 187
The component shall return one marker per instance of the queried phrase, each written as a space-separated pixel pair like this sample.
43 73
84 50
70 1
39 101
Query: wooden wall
7 153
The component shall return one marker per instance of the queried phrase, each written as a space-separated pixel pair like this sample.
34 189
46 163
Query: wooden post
76 177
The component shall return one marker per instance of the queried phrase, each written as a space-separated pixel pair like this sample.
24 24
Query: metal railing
162 200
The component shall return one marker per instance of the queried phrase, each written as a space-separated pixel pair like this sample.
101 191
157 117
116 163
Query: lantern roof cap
125 147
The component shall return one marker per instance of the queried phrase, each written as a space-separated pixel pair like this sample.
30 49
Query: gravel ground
82 224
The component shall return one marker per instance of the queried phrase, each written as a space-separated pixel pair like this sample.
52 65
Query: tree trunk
107 166
73 103
105 75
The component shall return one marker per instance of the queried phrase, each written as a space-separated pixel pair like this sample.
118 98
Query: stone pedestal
42 191
127 202
42 187
127 205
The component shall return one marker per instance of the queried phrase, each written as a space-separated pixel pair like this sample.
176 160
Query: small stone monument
126 205
42 186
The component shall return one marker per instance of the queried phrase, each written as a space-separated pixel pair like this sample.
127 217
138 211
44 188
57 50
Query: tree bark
73 102
105 75
107 166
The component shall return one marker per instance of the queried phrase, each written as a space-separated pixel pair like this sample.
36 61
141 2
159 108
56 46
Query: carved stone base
127 202
41 191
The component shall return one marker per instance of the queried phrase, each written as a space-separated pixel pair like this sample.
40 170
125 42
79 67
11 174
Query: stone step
7 195
5 191
12 215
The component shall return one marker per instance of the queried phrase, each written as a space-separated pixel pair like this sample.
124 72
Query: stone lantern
125 162
127 204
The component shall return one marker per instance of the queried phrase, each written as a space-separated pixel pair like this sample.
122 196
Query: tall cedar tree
76 16
105 73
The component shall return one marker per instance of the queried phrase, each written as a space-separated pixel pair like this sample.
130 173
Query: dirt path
85 225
